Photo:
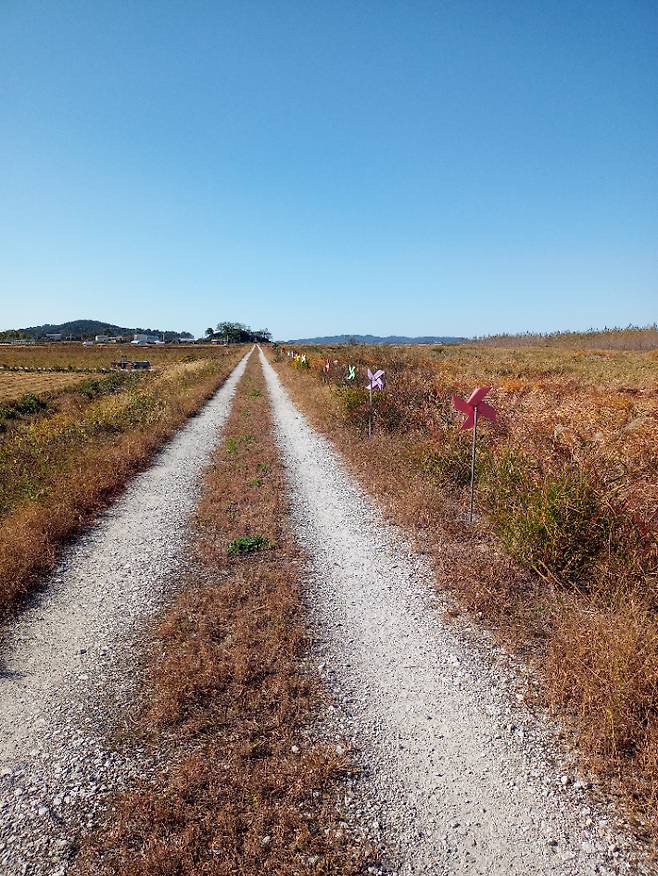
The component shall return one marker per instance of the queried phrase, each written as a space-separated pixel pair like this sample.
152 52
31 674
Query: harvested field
74 356
13 385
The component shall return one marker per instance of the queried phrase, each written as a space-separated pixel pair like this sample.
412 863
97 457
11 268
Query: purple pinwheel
376 380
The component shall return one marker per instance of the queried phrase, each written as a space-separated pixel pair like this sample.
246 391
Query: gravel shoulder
459 776
68 665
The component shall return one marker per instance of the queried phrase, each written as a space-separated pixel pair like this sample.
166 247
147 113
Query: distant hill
377 339
81 329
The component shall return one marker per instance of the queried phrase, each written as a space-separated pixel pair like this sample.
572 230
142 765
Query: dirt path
461 777
69 659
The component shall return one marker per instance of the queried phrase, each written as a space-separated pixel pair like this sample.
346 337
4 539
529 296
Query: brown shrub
602 669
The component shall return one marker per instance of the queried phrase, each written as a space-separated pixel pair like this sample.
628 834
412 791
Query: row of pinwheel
473 408
301 360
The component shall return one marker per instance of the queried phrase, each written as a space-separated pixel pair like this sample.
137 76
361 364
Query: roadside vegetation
563 561
65 453
230 699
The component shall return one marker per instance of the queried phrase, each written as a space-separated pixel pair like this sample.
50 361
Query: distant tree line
237 333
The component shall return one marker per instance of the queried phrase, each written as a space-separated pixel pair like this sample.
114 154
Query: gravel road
68 667
459 777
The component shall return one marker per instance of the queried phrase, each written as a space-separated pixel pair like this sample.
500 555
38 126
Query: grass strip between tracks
231 698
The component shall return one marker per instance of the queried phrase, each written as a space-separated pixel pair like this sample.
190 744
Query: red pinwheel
474 407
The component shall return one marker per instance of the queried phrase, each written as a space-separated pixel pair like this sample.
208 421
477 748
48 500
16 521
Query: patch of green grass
262 467
256 482
247 544
550 523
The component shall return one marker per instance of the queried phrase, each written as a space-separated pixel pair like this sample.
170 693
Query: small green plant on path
247 544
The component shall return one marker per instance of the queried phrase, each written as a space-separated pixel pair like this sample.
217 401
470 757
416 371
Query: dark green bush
353 404
94 387
28 404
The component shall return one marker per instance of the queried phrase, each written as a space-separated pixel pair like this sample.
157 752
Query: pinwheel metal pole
370 411
472 408
475 432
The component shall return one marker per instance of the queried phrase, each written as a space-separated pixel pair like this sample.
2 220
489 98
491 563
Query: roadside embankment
59 467
465 777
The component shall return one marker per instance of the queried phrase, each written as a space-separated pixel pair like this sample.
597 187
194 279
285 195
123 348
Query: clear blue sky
451 167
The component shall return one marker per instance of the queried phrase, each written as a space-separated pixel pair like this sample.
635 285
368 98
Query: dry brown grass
58 467
564 561
602 663
630 338
229 695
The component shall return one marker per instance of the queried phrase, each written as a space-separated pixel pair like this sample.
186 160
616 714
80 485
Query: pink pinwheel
376 380
474 407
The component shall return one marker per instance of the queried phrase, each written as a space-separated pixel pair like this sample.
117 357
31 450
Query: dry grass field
563 560
69 441
631 338
74 356
14 384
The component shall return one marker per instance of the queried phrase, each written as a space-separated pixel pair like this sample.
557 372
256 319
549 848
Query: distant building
22 341
142 340
102 339
55 336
